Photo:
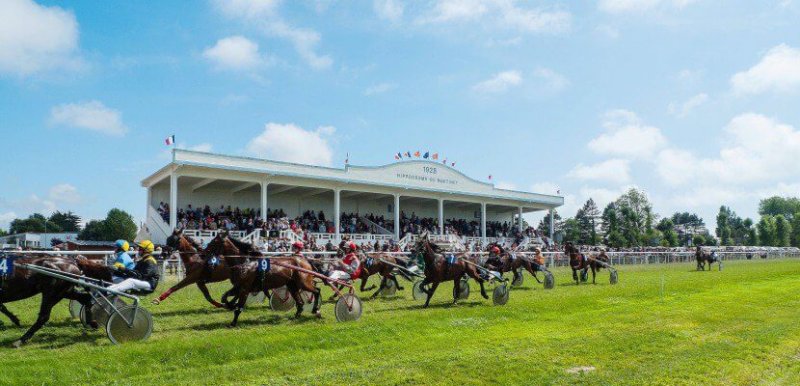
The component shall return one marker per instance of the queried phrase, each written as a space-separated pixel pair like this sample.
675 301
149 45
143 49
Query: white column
519 219
149 200
264 187
397 217
173 200
441 216
551 225
483 221
337 217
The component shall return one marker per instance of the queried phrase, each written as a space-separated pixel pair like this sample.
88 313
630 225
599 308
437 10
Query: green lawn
662 324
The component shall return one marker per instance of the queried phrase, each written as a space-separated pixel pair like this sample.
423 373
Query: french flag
170 140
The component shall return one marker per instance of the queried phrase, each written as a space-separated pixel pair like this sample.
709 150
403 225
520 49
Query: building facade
425 188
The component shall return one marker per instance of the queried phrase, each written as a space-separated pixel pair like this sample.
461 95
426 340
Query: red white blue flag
170 140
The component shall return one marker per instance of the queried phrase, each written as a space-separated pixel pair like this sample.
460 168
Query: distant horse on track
579 262
504 263
704 257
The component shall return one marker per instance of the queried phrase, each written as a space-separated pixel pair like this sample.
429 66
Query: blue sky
693 102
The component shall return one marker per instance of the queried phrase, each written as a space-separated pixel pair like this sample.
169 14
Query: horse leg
381 288
49 300
394 279
364 285
85 299
594 272
430 294
202 286
183 283
457 286
575 276
10 315
298 300
242 300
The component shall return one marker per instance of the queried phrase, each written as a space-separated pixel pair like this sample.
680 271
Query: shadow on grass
54 340
433 306
198 311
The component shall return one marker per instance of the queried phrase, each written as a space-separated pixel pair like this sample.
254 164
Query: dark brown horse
704 257
579 262
438 269
246 276
505 263
198 269
377 265
24 283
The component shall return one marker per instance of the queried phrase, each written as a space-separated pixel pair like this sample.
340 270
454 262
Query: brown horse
438 269
247 277
704 257
579 262
505 263
198 269
24 284
377 265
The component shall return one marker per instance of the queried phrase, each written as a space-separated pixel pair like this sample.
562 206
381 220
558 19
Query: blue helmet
122 244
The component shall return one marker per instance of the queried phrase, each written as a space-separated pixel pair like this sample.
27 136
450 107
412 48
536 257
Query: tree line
118 224
629 221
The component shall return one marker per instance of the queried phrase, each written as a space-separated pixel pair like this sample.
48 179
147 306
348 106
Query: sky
694 102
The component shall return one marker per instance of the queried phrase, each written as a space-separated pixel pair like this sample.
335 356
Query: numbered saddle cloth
369 262
6 266
451 259
213 262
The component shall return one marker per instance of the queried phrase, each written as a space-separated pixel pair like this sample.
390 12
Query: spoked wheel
584 276
75 309
308 301
256 298
390 288
614 277
549 280
464 290
348 308
281 300
500 294
101 311
417 292
519 278
120 331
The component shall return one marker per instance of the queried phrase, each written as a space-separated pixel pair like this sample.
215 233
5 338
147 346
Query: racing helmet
147 246
495 250
122 245
298 245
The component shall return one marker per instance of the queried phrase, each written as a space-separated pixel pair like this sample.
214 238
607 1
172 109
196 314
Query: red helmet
352 246
298 245
495 250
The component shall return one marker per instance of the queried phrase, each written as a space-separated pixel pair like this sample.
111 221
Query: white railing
358 238
158 228
370 223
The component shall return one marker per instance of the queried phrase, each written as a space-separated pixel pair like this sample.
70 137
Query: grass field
662 324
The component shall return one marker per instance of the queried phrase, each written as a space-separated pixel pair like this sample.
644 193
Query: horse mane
193 243
243 247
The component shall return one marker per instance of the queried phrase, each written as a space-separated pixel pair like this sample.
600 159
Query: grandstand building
419 188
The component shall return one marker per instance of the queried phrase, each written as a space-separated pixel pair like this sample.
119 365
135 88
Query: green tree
723 226
544 224
783 231
667 229
34 223
587 221
69 222
773 206
3 232
635 217
698 240
766 230
117 225
572 230
795 239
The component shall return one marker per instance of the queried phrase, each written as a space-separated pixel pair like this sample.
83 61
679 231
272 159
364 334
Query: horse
437 270
247 276
24 284
579 262
378 266
505 263
198 270
704 257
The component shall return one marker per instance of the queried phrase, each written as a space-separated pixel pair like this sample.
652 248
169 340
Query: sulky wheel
614 277
519 278
348 308
390 288
500 294
256 298
464 290
129 324
417 292
308 301
75 309
281 300
549 280
101 310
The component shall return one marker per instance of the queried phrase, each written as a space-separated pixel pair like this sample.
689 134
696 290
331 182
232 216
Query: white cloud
235 53
778 71
640 6
501 14
756 149
391 10
608 31
64 193
263 14
548 188
627 136
379 88
613 170
683 109
499 83
91 115
35 38
6 219
551 80
288 142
